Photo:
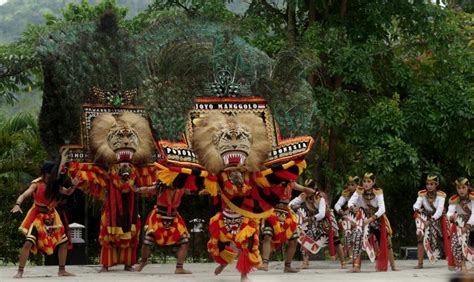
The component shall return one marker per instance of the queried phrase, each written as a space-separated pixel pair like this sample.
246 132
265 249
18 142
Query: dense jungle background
383 86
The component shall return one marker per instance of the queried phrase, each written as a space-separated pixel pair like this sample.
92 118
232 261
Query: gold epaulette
346 193
378 191
37 180
360 190
454 199
422 193
441 194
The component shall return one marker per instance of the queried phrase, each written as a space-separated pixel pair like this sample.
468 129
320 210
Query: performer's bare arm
146 189
67 191
302 188
63 161
22 197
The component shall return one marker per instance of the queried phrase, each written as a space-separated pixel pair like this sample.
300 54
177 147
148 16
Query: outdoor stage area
204 272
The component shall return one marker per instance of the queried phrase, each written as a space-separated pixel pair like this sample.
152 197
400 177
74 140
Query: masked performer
42 225
165 226
431 223
280 226
318 223
233 148
347 220
462 218
369 201
121 145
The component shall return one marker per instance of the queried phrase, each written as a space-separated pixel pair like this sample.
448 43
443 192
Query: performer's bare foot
355 269
219 269
419 266
305 265
182 271
343 265
63 272
141 266
263 266
289 269
244 277
395 268
129 268
18 275
104 269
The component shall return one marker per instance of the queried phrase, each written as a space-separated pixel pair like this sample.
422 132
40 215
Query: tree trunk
291 16
343 8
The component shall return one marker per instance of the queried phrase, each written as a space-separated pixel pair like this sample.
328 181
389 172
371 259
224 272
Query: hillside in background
15 15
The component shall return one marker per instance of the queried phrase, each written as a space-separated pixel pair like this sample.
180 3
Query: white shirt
357 200
456 208
320 206
438 204
340 202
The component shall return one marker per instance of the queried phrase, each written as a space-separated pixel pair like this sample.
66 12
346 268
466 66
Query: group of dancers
306 216
232 151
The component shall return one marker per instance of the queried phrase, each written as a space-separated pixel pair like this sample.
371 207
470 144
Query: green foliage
20 160
391 81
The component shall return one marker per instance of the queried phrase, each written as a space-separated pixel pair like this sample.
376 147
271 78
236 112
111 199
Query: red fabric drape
447 244
332 249
382 258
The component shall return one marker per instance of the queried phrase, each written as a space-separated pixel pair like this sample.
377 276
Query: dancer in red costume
122 146
42 225
230 152
164 225
280 226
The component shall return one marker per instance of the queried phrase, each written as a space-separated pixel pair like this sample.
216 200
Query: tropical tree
20 157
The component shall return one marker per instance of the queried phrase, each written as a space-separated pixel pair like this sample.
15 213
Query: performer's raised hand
16 208
76 180
62 163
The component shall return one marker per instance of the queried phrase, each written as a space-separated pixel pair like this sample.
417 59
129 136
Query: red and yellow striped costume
42 225
120 223
167 228
248 231
283 221
248 200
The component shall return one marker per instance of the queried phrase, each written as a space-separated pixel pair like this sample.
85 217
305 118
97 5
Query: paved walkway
203 272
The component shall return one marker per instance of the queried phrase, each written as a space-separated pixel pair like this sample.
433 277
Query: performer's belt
164 212
281 206
42 209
